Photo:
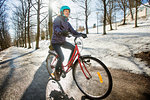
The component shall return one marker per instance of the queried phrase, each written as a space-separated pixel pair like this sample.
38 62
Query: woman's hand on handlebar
83 35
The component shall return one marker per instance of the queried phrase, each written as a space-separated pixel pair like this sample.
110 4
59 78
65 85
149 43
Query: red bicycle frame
74 55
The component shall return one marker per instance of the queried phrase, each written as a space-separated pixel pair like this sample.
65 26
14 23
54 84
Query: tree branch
43 18
33 5
2 4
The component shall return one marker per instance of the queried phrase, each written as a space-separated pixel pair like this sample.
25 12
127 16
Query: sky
75 11
144 1
10 13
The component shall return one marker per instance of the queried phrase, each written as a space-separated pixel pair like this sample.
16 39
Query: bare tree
29 7
46 26
17 25
42 34
45 29
85 4
104 21
50 24
38 25
102 6
110 12
5 39
123 6
131 5
22 13
108 9
25 7
137 3
136 12
38 8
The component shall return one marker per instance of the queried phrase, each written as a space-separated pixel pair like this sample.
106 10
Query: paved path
23 76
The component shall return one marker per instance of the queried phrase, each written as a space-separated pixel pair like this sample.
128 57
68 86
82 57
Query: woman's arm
57 25
74 33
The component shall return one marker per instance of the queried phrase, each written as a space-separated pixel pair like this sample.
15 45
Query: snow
2 54
116 49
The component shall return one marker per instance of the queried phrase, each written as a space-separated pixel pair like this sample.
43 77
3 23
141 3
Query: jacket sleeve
57 25
73 32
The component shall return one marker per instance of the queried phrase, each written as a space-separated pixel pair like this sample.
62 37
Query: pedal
63 74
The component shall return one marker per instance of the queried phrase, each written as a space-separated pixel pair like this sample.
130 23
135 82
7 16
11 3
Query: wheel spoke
99 82
51 63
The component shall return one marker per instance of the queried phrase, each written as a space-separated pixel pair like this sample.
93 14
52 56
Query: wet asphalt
23 76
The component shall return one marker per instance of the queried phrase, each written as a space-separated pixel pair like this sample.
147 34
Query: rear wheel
96 83
51 62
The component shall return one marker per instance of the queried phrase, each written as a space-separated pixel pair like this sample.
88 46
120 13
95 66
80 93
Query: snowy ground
116 49
24 75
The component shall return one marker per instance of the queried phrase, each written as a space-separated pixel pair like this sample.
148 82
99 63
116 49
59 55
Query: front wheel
93 78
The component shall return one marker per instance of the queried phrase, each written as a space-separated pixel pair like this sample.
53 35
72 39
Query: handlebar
74 38
80 44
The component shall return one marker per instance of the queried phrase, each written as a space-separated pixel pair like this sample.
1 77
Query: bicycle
89 73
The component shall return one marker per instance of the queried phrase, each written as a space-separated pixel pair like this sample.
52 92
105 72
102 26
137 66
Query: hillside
117 49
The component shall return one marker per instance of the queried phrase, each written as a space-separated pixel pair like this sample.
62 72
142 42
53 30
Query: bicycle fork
85 69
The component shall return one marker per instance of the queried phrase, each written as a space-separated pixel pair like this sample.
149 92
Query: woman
61 27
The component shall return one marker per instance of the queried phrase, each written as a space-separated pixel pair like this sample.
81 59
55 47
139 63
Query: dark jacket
60 24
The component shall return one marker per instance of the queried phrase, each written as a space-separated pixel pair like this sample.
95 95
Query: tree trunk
130 7
123 6
86 16
29 24
38 25
25 34
22 39
110 24
86 24
3 38
131 13
136 11
84 4
111 11
124 20
18 36
50 24
104 21
46 30
17 39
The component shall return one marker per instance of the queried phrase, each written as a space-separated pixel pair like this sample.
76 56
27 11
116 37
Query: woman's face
66 12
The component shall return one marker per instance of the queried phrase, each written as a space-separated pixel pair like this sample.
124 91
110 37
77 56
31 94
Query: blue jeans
57 48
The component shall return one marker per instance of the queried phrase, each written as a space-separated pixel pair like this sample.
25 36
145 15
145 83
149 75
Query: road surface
23 76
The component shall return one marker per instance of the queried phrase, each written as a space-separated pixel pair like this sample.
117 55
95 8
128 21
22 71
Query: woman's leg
57 48
70 46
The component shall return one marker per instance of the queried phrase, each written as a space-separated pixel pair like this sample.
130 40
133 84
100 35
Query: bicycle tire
94 84
49 60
